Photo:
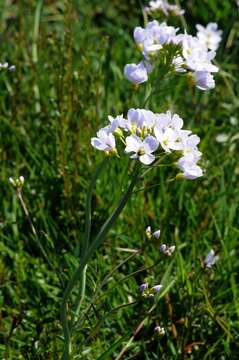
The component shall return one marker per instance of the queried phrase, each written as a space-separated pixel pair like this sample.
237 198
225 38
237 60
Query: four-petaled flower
141 149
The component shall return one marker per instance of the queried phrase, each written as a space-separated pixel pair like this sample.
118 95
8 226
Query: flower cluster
17 183
146 134
164 7
6 66
191 54
150 292
149 234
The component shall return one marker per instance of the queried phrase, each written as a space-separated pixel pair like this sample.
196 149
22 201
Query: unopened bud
17 183
148 232
160 330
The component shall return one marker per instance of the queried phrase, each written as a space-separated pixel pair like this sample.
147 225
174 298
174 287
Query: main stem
87 256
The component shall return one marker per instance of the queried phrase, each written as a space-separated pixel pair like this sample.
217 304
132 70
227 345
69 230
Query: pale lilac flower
140 35
163 248
136 73
165 7
204 80
157 288
143 287
156 234
209 36
116 123
211 259
142 149
151 39
189 167
12 68
105 141
161 33
140 120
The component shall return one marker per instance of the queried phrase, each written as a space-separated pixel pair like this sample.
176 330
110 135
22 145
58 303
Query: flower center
141 151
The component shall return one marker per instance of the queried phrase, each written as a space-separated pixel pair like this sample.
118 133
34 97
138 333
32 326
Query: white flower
179 64
204 80
189 167
142 149
136 73
201 61
104 141
211 259
175 10
4 65
157 288
156 5
167 250
209 36
168 131
196 55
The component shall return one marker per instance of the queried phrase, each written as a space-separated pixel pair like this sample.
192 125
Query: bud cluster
149 292
17 183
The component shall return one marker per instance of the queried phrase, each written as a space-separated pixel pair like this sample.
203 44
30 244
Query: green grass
69 59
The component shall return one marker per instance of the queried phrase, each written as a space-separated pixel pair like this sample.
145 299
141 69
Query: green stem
87 256
88 205
81 295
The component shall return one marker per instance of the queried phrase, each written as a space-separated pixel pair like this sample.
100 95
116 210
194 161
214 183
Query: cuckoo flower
209 36
105 141
141 149
137 74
